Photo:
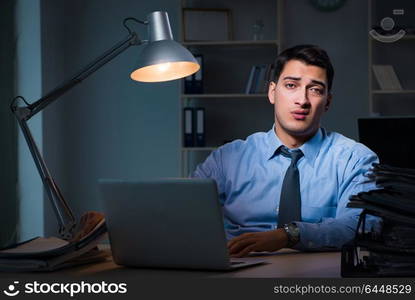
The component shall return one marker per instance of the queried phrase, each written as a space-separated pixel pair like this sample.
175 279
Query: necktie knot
295 155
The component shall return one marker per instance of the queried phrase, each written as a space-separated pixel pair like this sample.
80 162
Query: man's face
300 97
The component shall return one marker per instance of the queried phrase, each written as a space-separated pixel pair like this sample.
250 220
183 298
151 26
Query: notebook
167 223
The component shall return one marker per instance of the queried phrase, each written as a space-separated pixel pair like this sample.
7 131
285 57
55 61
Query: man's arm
333 233
212 168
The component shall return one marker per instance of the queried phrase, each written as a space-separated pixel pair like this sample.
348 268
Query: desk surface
285 263
191 284
282 264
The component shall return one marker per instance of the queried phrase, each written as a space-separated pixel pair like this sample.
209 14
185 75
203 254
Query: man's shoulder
342 145
253 141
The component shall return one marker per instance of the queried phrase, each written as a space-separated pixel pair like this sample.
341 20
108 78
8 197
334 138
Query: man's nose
302 98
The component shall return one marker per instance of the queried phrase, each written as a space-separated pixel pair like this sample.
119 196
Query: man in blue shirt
250 173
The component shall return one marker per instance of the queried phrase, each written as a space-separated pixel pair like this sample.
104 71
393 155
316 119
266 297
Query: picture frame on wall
207 24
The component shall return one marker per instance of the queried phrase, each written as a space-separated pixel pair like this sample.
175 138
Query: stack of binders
391 251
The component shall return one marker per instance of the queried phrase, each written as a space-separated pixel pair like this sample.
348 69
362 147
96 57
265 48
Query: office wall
53 74
112 127
343 33
8 160
29 85
108 126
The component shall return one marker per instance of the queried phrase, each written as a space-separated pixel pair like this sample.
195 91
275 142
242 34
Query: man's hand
272 240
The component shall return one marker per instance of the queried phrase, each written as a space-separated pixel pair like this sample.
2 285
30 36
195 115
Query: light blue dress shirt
249 175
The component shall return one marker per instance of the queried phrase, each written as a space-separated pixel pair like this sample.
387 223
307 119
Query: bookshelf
230 96
233 43
381 92
199 148
230 112
399 101
409 37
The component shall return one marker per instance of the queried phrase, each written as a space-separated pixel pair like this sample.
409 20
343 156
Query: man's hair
308 54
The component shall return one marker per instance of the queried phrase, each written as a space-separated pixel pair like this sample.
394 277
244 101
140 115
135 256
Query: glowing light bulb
163 67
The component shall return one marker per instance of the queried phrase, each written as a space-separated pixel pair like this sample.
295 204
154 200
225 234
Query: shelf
198 148
405 37
233 43
409 37
213 96
385 92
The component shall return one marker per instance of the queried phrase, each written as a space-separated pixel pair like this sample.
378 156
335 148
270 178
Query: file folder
198 76
200 127
188 138
193 84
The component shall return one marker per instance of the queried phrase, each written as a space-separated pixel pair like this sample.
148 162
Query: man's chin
301 131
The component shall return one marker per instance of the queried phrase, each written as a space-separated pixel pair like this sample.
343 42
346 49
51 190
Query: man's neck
292 141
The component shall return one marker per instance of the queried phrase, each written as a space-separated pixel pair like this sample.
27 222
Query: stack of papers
390 252
49 254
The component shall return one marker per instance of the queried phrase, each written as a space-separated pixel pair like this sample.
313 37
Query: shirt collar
274 143
310 148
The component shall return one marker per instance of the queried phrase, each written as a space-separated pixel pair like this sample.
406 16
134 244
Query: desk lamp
161 59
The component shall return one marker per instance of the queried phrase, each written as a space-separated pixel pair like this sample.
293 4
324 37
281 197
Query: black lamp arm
109 55
63 212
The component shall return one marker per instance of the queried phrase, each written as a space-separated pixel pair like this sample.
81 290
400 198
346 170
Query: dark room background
113 127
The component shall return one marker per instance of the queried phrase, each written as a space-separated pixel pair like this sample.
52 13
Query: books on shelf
258 79
194 127
386 77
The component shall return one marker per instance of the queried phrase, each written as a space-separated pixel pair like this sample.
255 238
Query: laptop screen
391 138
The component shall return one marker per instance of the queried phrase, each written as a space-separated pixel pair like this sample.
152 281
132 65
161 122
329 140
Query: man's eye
290 85
317 91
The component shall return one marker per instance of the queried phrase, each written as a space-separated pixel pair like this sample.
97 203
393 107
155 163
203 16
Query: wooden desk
257 282
282 264
285 263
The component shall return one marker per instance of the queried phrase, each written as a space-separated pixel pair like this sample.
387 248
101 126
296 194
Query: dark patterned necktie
290 200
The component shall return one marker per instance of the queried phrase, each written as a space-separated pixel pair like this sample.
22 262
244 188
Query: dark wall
109 126
8 165
344 35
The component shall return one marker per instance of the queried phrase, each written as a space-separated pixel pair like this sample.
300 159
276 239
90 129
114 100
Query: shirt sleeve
333 233
212 168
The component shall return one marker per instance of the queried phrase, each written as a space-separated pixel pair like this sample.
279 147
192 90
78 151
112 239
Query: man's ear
271 92
328 101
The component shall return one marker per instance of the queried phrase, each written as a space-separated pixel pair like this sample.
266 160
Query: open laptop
167 223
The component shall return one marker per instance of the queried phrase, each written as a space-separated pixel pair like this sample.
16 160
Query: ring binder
188 138
200 127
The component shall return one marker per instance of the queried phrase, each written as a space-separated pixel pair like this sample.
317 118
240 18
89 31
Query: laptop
167 223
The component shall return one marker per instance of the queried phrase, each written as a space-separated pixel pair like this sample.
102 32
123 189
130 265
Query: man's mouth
300 114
